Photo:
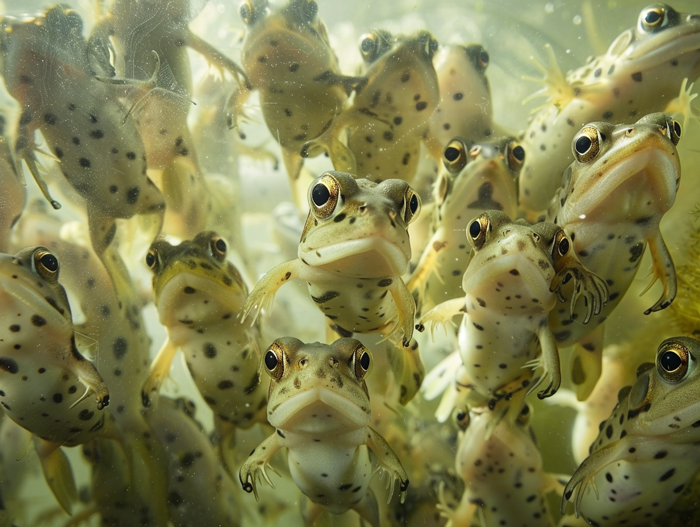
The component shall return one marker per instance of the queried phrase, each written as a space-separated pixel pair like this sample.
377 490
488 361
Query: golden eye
46 263
674 131
247 12
323 196
652 18
411 205
562 246
672 360
218 247
454 156
586 144
516 156
151 258
477 230
275 361
462 418
362 360
479 57
373 45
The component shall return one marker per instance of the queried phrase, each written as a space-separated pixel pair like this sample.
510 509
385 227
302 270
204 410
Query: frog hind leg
224 437
587 362
664 270
408 369
405 313
58 473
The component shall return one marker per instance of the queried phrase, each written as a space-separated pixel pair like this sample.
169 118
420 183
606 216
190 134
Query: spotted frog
502 472
640 73
14 194
472 179
199 295
391 112
99 153
646 450
510 286
624 179
320 408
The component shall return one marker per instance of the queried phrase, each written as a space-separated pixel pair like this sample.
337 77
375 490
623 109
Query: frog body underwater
319 405
646 450
641 73
14 194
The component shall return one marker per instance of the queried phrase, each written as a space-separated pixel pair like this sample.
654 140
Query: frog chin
319 409
22 290
368 257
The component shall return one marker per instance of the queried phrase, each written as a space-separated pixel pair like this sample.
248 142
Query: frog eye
45 263
430 43
562 245
247 12
373 45
516 156
218 247
672 360
442 188
275 361
361 361
323 196
455 156
586 144
674 131
462 418
524 415
411 206
652 18
151 258
479 57
476 232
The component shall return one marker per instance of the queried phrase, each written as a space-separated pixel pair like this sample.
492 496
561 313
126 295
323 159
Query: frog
472 179
289 61
354 248
390 114
99 153
512 283
142 35
320 408
199 295
14 189
465 108
42 370
612 219
646 450
502 471
640 73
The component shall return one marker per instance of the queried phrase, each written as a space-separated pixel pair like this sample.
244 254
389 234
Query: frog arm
24 149
408 369
388 461
556 89
89 377
682 104
587 284
664 270
263 293
442 313
548 361
462 514
441 376
159 371
427 265
57 472
329 142
99 45
587 362
258 459
217 59
405 312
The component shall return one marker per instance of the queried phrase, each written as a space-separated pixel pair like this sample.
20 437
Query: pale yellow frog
646 450
319 405
614 195
641 72
472 179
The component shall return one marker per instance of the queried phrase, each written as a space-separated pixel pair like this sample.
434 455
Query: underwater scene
493 309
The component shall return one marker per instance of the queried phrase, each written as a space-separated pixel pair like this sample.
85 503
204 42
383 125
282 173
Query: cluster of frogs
429 210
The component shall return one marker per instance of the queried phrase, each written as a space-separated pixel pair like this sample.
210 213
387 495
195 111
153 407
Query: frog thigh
159 371
388 461
57 472
587 362
263 293
663 270
408 369
257 460
405 310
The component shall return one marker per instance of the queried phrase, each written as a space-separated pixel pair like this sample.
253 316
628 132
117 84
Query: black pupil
564 246
484 58
320 195
150 259
451 153
519 153
50 262
671 361
677 128
413 204
367 45
652 17
220 245
364 361
475 229
583 144
270 360
461 416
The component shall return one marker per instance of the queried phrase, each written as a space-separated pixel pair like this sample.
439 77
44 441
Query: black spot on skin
132 195
340 217
514 272
609 431
113 189
188 290
59 152
388 136
386 282
119 348
97 134
174 499
57 398
667 474
398 120
225 385
14 328
294 67
209 350
325 297
637 77
84 162
636 251
93 118
609 477
50 119
345 486
25 118
661 454
76 141
131 155
405 77
9 365
86 415
38 321
421 105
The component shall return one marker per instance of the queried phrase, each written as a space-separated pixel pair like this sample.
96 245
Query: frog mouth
367 257
170 290
317 409
672 43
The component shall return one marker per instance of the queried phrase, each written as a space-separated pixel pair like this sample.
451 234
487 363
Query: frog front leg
388 461
263 293
587 362
24 149
257 460
664 270
159 371
548 360
442 313
405 310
